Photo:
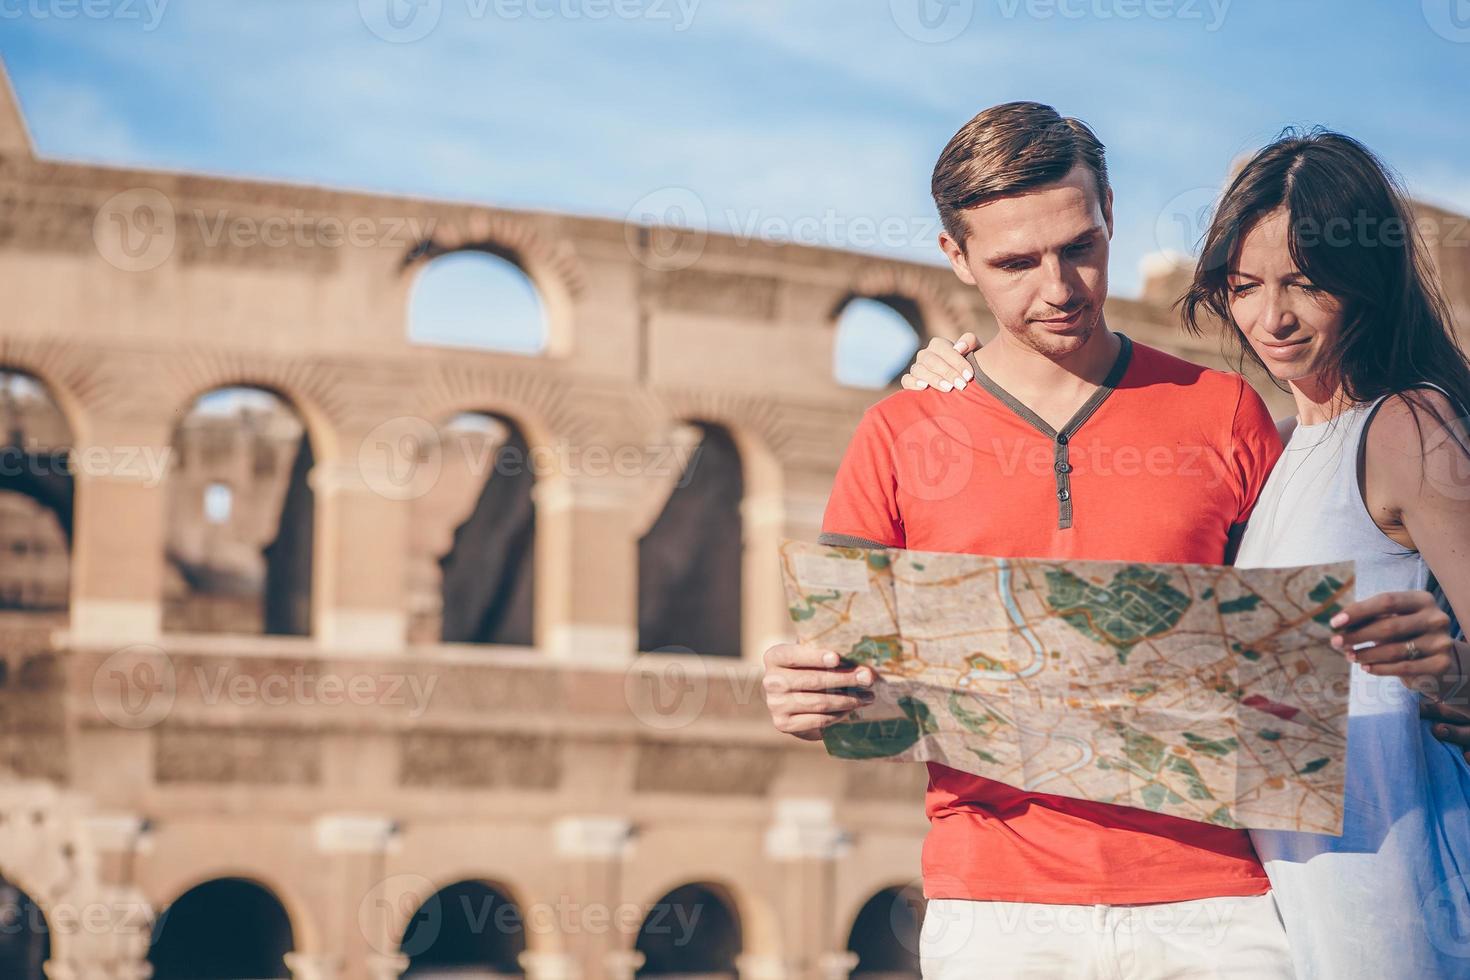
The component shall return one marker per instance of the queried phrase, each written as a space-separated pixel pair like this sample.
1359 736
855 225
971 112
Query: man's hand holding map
1204 692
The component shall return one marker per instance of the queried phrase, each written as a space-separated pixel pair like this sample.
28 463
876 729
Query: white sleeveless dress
1390 898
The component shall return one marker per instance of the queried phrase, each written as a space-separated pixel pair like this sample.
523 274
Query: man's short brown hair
1010 148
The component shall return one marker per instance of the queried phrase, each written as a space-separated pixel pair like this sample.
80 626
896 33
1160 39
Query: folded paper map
1200 691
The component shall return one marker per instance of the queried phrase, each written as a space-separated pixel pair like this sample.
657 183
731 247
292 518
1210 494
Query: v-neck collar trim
1093 403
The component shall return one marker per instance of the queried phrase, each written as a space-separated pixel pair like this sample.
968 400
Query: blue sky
814 118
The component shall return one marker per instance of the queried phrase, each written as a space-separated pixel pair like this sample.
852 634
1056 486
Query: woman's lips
1283 352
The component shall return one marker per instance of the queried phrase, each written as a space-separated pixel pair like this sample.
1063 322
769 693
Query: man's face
1040 259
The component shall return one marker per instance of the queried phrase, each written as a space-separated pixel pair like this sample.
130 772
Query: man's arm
809 688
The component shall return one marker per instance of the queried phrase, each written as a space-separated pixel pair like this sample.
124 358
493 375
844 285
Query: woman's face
1288 322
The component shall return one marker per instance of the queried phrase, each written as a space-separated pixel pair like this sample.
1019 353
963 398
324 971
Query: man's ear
955 252
1107 206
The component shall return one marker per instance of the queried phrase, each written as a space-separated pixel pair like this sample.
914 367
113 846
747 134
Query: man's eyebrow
1002 259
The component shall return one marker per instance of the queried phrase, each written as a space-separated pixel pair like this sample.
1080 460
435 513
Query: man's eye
1081 248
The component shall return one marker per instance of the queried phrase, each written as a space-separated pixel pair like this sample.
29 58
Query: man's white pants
1207 938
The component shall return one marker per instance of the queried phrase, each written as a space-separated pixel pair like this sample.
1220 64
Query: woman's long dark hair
1354 236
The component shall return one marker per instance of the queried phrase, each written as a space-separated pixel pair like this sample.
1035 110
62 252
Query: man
1072 442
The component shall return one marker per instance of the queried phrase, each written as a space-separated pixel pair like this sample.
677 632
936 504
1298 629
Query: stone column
386 966
314 966
622 964
586 568
592 850
754 966
768 519
112 948
359 549
356 939
119 839
549 966
837 965
805 841
119 527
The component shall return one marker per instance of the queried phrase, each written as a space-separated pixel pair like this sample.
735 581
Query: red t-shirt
1159 466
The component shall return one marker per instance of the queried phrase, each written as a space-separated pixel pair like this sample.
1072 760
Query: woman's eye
1242 289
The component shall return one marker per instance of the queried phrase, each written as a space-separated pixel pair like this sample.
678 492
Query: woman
1314 260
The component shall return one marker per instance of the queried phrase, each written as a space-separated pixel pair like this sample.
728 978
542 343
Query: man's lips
1072 318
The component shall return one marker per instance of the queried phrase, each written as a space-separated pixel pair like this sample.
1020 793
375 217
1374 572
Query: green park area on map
1200 691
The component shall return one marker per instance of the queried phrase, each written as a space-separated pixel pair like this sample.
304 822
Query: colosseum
334 653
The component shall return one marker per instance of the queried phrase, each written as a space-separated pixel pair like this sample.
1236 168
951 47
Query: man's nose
1057 288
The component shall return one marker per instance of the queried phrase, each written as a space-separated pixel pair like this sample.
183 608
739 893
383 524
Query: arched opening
472 565
36 494
478 299
689 562
25 937
692 933
885 935
877 337
224 929
467 931
241 517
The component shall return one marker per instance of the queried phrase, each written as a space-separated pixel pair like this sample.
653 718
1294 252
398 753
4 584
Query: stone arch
477 299
694 929
691 558
472 552
309 393
37 499
25 934
471 922
553 268
913 290
760 927
255 574
766 442
185 934
533 401
70 377
403 895
868 326
882 928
